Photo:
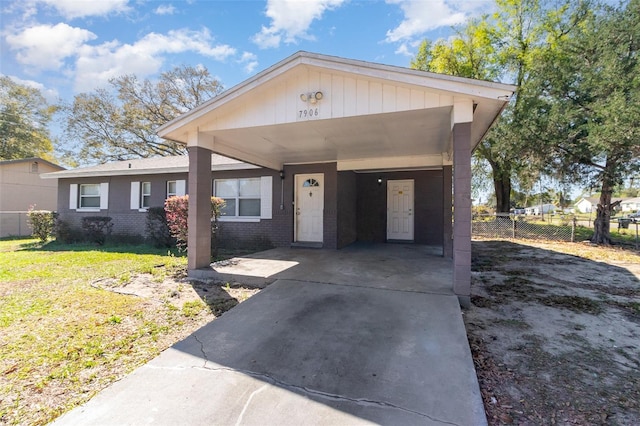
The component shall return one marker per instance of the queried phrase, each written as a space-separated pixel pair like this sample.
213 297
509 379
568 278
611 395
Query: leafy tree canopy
584 105
503 46
24 117
121 124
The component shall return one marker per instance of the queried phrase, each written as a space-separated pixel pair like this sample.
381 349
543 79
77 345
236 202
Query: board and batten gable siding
278 102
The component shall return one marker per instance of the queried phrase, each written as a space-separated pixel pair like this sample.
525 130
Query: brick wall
428 205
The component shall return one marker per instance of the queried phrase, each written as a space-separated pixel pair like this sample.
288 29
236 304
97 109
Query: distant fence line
14 224
549 227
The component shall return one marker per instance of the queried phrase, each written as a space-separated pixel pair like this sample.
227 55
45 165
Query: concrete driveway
370 334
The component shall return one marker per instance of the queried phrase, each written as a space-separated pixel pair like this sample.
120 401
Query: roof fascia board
141 172
31 160
448 83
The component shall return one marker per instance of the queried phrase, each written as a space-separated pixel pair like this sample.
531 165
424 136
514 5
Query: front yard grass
63 338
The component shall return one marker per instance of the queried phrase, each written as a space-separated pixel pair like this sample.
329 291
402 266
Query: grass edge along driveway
62 339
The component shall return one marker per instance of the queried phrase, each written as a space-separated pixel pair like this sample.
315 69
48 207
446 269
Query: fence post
636 223
573 230
513 227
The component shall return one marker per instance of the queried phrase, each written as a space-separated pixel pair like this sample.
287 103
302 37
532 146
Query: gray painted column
462 213
199 220
447 193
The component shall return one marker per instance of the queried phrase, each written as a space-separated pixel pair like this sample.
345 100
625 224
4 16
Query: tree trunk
602 222
502 187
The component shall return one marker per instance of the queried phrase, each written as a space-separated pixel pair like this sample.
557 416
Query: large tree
24 118
121 123
586 116
503 46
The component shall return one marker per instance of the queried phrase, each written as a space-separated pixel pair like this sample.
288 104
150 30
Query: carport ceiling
407 133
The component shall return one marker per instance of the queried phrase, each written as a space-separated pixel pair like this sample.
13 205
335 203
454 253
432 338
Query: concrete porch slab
302 352
406 267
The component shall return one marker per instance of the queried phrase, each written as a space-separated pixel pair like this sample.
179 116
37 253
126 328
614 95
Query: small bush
177 211
65 233
97 228
157 229
42 223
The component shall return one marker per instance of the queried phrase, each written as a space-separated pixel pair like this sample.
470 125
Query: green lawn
62 339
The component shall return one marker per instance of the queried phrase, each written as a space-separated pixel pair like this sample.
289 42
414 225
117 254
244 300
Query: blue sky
66 47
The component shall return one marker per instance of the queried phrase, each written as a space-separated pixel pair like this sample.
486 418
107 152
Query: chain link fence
547 227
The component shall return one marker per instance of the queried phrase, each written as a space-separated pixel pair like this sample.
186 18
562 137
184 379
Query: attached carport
325 122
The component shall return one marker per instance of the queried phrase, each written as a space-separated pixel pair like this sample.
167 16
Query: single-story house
535 210
630 205
590 204
21 188
356 151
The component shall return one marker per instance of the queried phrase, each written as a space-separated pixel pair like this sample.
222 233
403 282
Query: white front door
309 207
400 210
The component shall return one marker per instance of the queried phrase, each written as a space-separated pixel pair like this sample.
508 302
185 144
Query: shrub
42 223
157 229
97 228
177 211
65 233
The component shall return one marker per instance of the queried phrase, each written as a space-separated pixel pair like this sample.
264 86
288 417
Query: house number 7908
308 113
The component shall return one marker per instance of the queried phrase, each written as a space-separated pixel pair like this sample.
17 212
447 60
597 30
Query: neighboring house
125 190
366 152
590 204
630 205
21 188
535 210
587 204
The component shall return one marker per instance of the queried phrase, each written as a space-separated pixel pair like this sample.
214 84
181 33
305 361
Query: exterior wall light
311 97
380 181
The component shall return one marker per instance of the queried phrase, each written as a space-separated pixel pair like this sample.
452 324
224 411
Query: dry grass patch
554 331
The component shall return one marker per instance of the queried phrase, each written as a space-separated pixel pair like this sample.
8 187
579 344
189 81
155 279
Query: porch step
306 244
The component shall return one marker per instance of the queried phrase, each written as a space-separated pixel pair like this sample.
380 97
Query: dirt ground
554 329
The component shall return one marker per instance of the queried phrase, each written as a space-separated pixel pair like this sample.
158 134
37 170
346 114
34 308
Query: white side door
400 210
309 208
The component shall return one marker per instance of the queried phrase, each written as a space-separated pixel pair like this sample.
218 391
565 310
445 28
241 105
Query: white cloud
80 8
290 20
97 64
403 50
51 95
45 47
165 9
421 16
250 62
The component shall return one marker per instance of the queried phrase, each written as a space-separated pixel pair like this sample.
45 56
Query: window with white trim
140 198
145 195
172 189
89 196
176 188
241 196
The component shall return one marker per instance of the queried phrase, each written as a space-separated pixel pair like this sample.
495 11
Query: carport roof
370 115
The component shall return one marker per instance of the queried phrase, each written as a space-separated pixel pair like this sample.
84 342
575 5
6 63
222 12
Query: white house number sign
308 113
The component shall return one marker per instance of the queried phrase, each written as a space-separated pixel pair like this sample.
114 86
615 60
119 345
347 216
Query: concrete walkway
340 338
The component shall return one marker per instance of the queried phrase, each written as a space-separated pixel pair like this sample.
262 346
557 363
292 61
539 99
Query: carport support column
462 213
199 220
